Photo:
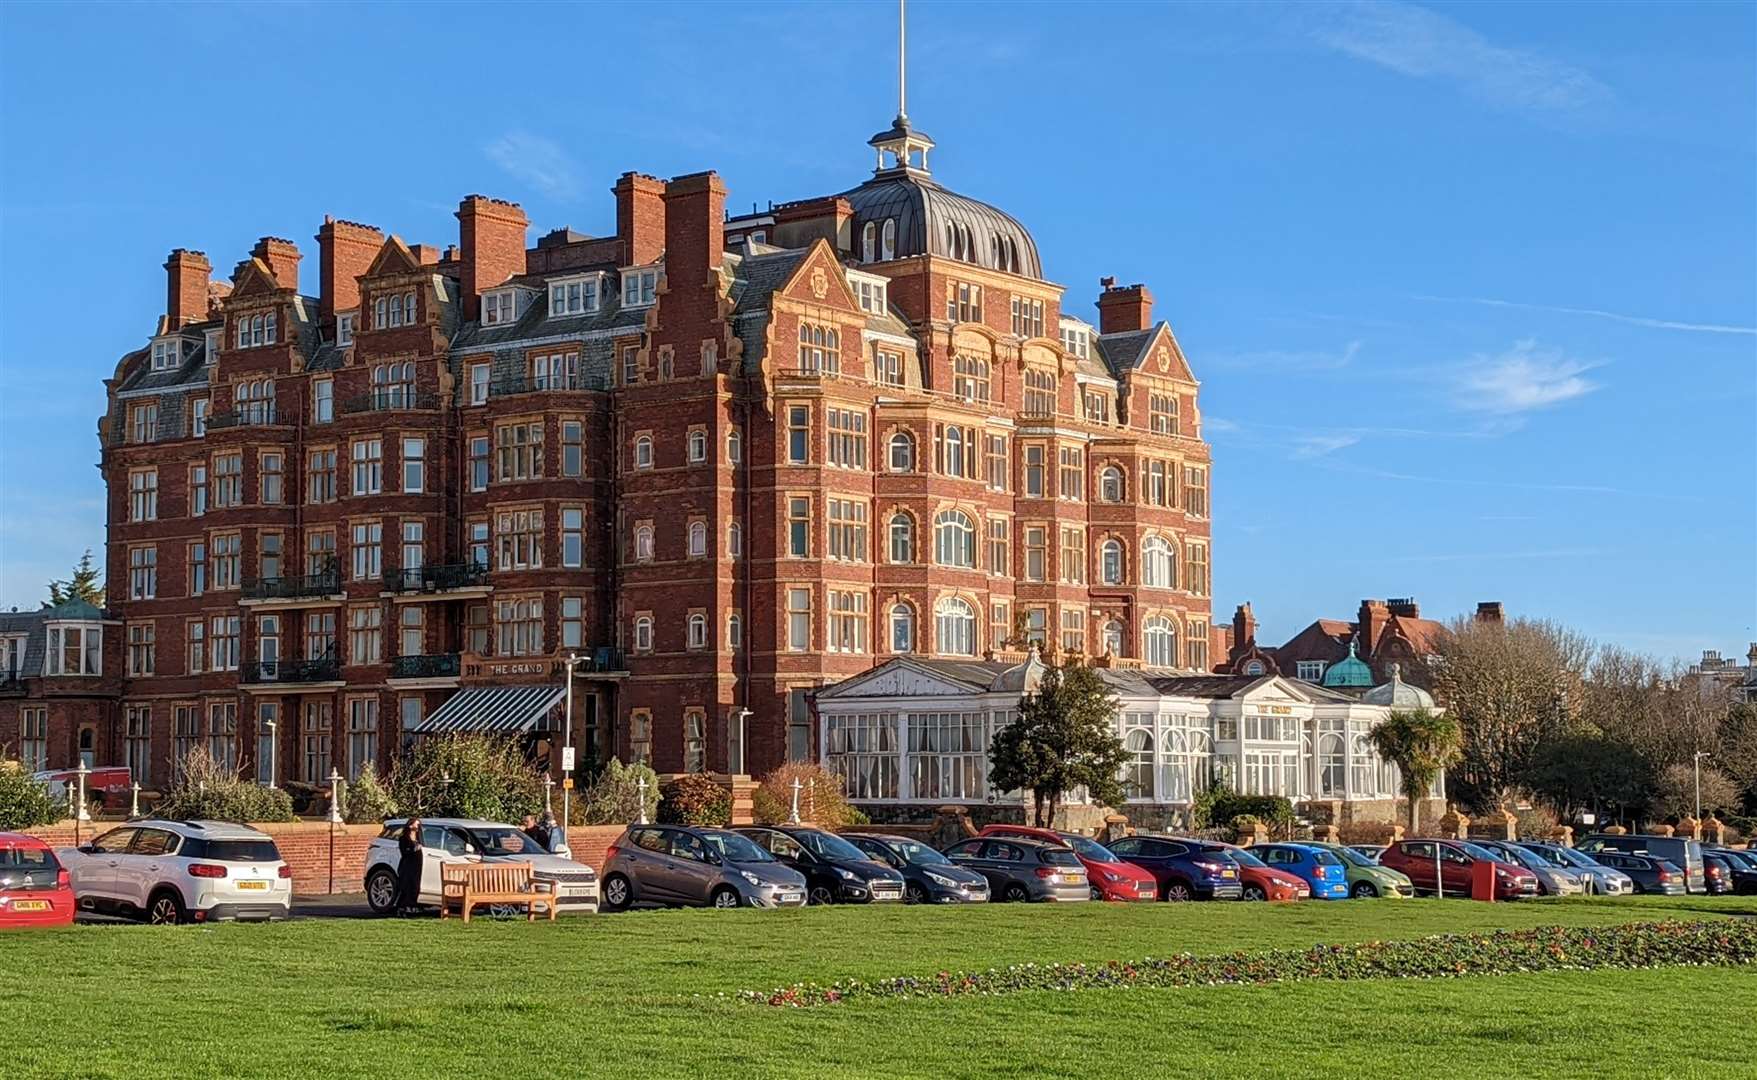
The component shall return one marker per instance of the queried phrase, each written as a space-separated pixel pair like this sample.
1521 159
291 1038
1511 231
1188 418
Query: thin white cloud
1316 446
1288 360
537 161
1522 379
1423 44
1632 320
1501 556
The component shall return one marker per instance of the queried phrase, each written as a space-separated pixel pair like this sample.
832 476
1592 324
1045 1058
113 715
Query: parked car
836 872
445 841
1110 877
1368 851
1366 878
1019 868
1597 878
1415 860
181 871
1183 869
1322 870
1719 873
1257 879
1744 868
1680 851
1651 873
1552 880
696 867
928 876
34 887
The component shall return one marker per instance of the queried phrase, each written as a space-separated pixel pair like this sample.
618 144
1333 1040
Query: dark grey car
1022 869
694 867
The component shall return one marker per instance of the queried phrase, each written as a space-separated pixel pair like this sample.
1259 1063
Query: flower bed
1503 952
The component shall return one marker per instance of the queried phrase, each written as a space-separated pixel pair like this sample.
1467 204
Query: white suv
181 871
455 840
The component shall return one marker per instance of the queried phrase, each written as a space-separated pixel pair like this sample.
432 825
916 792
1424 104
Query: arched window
955 627
1110 484
1365 772
643 452
643 634
734 446
698 446
954 539
698 631
902 538
902 452
698 539
1138 777
1113 638
734 539
1158 564
890 241
954 443
902 628
1331 766
1161 642
734 631
1110 562
1254 667
869 242
643 543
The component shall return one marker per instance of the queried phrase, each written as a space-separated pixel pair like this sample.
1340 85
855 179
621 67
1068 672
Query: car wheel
381 891
1255 892
820 894
1365 890
1015 893
1096 895
1178 892
726 897
914 894
618 893
165 908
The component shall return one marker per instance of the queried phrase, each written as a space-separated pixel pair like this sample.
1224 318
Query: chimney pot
187 275
640 217
491 242
1125 308
282 257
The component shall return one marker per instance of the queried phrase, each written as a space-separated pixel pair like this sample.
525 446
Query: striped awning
492 708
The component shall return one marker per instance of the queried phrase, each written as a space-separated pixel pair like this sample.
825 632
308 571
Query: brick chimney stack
695 228
1244 627
187 275
491 247
1490 611
1405 608
1124 308
282 257
345 250
1373 617
640 217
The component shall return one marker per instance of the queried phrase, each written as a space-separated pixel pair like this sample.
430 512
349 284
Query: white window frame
640 286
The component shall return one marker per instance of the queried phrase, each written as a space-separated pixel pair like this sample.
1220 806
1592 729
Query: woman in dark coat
409 867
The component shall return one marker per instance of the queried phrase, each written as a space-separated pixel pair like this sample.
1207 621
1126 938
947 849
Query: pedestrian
557 838
409 868
535 831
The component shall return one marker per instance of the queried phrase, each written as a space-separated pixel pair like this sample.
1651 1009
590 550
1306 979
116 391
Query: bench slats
474 884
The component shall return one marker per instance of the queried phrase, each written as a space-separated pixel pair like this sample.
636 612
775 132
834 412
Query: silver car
1018 868
456 840
696 867
1552 880
1598 879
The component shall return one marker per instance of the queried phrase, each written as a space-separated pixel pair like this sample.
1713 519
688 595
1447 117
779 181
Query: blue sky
1472 289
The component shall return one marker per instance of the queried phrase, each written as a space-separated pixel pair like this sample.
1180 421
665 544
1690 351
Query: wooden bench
470 885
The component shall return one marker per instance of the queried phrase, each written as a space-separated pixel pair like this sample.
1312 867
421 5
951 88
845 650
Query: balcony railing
436 578
327 583
261 415
508 385
389 401
324 669
429 666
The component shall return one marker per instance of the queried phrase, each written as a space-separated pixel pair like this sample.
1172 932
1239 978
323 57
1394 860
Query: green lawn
623 996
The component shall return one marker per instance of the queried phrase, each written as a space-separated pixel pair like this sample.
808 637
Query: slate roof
923 208
1123 352
33 624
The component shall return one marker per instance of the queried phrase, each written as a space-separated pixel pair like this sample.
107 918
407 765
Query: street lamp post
81 815
548 787
641 787
335 797
572 660
793 818
134 803
274 753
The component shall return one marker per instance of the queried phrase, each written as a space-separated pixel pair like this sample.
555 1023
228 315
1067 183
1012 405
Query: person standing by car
531 828
553 840
409 867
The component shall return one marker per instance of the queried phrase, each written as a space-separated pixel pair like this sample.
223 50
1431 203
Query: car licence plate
1228 873
787 898
30 905
253 884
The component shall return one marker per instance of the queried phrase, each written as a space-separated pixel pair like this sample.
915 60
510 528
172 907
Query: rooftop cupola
901 147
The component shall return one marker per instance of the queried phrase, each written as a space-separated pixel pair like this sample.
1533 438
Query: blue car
1183 869
1321 870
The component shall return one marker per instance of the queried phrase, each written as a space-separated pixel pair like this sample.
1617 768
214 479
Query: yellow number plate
253 884
30 905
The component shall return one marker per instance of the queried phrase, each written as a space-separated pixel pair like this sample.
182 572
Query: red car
34 890
1110 877
1261 881
1415 859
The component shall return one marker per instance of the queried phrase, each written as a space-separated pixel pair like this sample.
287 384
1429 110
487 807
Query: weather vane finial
902 64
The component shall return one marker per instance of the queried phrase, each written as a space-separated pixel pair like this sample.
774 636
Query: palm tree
1420 743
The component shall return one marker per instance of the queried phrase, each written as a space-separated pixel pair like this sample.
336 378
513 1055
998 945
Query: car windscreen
1242 857
1476 852
500 841
1517 854
827 846
920 854
1351 857
1089 849
735 848
1058 857
230 850
1323 857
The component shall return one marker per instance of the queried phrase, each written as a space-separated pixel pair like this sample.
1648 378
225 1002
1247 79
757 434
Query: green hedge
1220 806
1720 943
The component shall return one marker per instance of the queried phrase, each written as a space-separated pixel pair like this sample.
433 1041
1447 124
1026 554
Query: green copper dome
1349 674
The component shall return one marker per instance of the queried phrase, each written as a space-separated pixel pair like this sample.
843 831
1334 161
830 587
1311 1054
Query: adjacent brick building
724 460
1383 634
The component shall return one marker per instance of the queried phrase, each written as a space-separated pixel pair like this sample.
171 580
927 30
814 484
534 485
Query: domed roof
931 219
1349 674
1398 694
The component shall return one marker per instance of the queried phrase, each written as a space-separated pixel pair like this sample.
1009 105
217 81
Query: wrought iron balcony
429 666
383 400
258 415
324 669
508 385
436 578
327 583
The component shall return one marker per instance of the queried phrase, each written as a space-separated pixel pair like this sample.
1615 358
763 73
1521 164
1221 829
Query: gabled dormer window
345 329
574 295
394 310
869 292
639 287
167 353
256 330
1076 339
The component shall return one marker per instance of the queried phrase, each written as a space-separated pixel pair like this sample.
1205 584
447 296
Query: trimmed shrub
614 798
207 789
1220 806
367 801
24 803
467 776
821 798
695 800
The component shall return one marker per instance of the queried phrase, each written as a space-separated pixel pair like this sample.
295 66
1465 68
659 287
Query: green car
1366 878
